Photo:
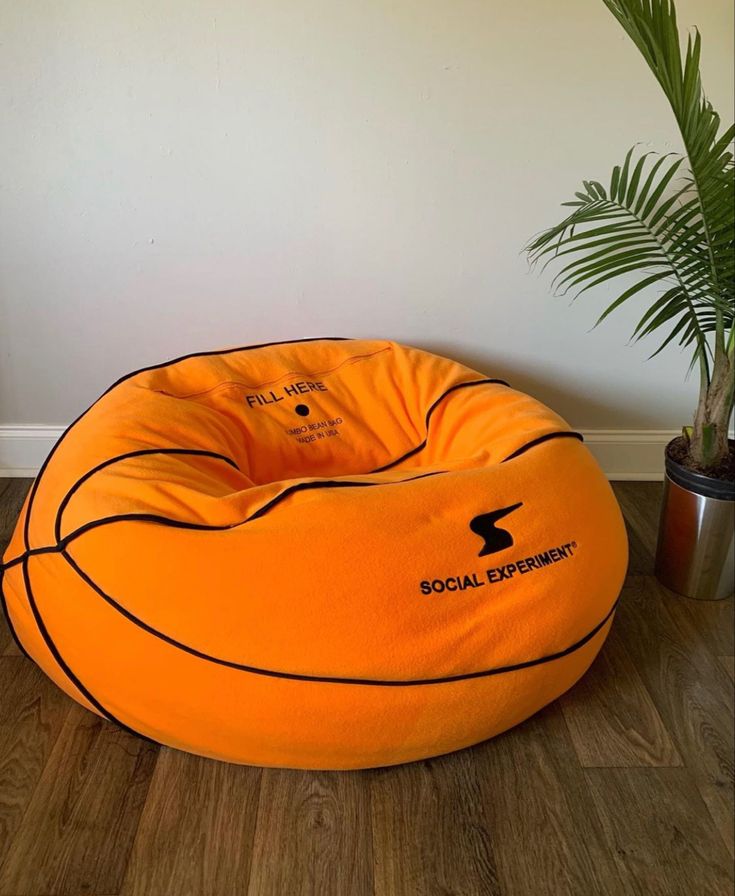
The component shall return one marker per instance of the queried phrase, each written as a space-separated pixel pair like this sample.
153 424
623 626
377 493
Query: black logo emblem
495 539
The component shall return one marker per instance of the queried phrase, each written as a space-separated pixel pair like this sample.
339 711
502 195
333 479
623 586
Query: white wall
183 175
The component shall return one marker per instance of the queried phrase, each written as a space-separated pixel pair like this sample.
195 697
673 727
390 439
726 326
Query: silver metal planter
696 546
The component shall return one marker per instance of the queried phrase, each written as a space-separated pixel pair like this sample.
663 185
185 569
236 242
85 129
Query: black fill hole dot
302 410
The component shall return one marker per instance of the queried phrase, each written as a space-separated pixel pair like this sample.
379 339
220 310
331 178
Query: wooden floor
624 786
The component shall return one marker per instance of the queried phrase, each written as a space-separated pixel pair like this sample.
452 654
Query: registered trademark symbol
574 544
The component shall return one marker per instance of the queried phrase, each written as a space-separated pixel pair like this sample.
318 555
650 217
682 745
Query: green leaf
635 179
670 338
614 181
660 187
642 284
623 183
643 193
643 328
674 308
579 272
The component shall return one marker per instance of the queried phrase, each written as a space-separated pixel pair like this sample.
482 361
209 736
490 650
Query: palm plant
668 223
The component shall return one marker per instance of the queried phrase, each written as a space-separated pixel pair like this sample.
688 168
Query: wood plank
312 835
6 640
8 645
546 837
429 829
32 714
12 495
663 841
78 829
11 648
728 663
196 832
691 691
640 503
640 557
713 619
611 717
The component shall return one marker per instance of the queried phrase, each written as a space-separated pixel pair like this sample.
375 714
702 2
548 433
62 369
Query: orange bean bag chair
320 554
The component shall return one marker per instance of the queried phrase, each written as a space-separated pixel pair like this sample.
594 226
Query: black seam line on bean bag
427 419
63 665
127 376
204 527
183 524
331 679
143 452
6 614
47 549
223 527
564 434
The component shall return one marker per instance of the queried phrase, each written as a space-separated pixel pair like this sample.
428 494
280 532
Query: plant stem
709 443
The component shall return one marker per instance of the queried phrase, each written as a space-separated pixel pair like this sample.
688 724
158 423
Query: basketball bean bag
319 554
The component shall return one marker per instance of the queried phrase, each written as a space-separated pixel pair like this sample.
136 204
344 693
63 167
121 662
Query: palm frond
636 227
666 219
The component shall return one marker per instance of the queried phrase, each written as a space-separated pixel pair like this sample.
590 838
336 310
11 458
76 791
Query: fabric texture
319 554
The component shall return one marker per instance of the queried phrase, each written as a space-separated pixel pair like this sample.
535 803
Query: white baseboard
630 454
622 454
23 448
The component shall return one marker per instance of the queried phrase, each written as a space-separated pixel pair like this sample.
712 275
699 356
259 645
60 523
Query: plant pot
695 555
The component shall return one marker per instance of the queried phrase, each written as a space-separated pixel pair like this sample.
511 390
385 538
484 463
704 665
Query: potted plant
666 223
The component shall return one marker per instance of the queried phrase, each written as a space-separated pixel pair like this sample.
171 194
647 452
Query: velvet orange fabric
321 554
